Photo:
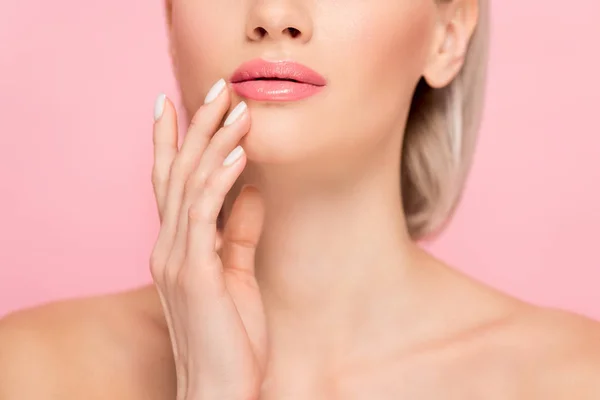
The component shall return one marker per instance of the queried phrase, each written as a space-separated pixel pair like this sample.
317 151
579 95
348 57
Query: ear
456 24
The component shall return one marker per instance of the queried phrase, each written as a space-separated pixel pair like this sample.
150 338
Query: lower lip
266 90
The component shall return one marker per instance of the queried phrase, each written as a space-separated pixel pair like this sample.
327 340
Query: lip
263 80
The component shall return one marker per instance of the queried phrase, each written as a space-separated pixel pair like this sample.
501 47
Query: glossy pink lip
276 81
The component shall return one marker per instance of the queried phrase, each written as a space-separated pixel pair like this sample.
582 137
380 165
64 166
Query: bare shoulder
559 353
105 347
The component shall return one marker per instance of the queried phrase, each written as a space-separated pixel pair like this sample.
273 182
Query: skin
321 307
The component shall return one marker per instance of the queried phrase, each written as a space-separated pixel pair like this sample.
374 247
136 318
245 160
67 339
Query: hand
211 301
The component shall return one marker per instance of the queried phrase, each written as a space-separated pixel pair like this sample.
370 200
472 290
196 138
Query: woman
335 136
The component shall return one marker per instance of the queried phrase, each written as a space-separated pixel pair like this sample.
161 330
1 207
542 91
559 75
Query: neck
334 257
319 250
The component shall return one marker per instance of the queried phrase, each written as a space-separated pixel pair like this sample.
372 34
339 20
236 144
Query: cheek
202 32
388 43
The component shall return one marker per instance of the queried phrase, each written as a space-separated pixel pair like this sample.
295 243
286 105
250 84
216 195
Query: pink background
78 81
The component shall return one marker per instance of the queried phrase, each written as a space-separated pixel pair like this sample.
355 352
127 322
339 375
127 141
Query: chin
270 146
279 136
296 151
307 135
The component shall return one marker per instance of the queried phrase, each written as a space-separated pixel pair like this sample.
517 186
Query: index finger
165 148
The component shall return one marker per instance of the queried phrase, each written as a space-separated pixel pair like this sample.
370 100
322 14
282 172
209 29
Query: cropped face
323 79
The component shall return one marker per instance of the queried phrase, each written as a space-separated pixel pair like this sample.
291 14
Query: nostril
293 32
260 32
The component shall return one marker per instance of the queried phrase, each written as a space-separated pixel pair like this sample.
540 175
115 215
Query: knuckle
184 279
196 181
193 184
159 178
212 182
197 118
157 266
202 209
196 212
181 167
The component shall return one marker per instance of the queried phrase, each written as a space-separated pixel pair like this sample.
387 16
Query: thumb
242 230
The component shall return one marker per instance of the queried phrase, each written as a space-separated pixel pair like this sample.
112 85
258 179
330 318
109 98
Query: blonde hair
440 138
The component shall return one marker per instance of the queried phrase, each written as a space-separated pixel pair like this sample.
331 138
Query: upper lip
283 70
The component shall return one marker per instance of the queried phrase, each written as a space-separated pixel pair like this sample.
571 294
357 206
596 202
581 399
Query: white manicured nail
235 113
233 156
215 91
159 106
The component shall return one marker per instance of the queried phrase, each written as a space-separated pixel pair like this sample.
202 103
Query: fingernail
233 156
214 91
235 113
159 106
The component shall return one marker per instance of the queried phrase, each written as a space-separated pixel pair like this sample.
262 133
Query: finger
204 124
165 148
200 254
242 231
224 142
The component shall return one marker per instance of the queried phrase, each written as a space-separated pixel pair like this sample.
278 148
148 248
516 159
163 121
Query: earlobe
452 43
